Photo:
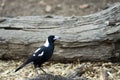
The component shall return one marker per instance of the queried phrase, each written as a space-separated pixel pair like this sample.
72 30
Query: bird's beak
57 38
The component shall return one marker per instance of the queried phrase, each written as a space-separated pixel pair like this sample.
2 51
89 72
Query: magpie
42 54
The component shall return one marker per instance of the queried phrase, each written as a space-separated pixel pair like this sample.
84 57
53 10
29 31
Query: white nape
46 43
41 53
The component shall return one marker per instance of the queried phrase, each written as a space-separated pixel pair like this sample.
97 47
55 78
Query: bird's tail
20 67
24 64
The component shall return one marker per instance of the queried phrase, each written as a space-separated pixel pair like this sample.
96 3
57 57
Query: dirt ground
52 7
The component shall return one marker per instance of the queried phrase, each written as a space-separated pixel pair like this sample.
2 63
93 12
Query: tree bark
93 37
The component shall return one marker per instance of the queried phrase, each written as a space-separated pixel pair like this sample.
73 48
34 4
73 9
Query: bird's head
53 38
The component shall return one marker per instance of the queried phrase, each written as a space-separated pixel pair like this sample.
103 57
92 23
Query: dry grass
92 70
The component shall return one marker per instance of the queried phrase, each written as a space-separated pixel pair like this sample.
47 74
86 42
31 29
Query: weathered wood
83 37
50 77
55 77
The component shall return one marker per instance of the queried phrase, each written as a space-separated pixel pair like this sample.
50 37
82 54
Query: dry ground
92 70
53 7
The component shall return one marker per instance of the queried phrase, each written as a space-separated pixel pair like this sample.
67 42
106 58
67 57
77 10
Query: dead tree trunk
93 37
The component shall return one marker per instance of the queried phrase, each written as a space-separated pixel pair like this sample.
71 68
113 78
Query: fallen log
87 38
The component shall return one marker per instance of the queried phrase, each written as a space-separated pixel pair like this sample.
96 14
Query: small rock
83 6
59 6
42 3
111 22
48 8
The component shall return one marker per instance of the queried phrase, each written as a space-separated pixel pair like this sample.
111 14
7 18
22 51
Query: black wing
34 57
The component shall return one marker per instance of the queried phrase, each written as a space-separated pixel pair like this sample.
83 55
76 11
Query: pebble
48 8
83 6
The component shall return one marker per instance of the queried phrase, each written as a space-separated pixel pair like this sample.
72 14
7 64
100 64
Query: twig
110 74
103 74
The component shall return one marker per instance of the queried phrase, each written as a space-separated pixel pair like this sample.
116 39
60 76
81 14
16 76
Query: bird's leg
42 70
36 71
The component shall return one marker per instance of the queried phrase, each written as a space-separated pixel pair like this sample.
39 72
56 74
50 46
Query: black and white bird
42 54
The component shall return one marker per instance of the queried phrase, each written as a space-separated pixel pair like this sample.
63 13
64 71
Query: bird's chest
48 53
